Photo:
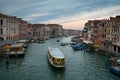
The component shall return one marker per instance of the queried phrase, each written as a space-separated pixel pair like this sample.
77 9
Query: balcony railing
116 33
116 43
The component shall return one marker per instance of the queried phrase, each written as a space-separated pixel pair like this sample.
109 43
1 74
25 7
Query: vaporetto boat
56 57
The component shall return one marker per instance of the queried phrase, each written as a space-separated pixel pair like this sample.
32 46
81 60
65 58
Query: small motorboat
63 43
79 47
114 66
58 40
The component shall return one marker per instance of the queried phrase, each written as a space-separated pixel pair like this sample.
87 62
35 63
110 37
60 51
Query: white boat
114 65
25 43
16 50
56 57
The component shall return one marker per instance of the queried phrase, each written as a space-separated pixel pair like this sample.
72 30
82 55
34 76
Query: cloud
78 20
33 16
18 7
69 13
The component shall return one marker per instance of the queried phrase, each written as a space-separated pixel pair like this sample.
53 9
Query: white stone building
8 27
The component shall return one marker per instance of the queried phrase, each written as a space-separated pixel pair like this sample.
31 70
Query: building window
7 22
115 48
1 30
118 49
1 22
7 38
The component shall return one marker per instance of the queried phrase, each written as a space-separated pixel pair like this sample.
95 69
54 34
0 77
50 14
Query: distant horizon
71 14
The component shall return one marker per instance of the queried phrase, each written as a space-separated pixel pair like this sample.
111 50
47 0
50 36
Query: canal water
80 65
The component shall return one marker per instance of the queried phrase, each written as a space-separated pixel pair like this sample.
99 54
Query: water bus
56 57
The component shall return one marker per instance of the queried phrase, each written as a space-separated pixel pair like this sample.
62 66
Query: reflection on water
58 73
58 77
14 63
35 66
17 61
7 66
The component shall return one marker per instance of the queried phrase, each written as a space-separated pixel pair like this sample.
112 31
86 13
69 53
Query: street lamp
107 43
7 57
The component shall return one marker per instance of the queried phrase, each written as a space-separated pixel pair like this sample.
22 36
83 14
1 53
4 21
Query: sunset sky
72 14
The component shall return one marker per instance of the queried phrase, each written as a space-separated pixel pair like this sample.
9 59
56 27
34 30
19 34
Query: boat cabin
56 57
16 49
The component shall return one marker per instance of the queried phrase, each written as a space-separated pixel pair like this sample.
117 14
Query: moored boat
58 40
72 43
114 66
16 50
63 43
25 42
79 47
40 41
89 45
56 57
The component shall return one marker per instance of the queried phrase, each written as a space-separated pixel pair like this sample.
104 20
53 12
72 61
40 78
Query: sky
71 14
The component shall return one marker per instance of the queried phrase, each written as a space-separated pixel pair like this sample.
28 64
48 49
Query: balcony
116 33
116 43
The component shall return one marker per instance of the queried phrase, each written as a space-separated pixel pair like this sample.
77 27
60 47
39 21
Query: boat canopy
118 61
55 52
88 42
23 41
16 45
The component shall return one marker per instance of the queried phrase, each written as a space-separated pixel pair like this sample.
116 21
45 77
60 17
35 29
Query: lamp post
7 57
107 43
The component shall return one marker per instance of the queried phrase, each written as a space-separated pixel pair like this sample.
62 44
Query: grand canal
80 65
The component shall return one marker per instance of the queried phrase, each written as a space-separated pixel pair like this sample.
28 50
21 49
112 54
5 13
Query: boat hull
16 54
52 64
115 70
114 66
79 47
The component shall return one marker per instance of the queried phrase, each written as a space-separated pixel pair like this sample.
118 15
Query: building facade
23 29
8 27
105 34
57 30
